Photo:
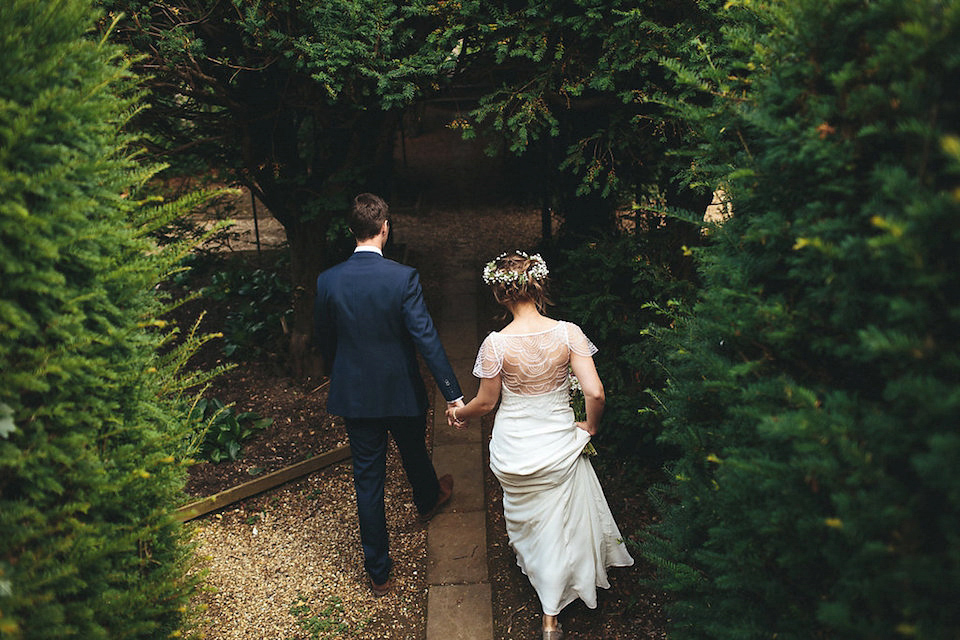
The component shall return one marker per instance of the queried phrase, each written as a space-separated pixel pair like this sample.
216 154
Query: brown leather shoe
446 491
381 589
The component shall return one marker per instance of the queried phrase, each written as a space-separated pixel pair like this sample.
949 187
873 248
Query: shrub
813 392
91 456
259 303
617 290
225 431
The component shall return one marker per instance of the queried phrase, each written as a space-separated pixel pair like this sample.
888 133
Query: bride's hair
517 277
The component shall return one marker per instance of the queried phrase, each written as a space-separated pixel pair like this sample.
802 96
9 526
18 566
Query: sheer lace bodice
532 363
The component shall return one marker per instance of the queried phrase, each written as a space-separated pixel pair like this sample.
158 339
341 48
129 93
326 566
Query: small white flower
537 271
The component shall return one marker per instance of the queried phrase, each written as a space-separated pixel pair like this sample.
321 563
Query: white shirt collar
367 247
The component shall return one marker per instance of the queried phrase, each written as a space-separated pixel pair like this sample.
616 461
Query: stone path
459 597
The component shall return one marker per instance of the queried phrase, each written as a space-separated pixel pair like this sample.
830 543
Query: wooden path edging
273 479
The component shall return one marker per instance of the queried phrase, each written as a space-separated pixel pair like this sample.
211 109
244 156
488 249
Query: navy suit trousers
368 446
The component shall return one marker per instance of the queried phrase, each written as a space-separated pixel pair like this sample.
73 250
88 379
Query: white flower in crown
537 271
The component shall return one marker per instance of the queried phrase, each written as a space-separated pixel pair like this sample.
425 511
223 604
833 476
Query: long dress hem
557 518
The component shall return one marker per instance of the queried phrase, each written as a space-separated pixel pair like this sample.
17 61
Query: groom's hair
367 215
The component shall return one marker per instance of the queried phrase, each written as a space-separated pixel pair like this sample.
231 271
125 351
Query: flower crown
537 271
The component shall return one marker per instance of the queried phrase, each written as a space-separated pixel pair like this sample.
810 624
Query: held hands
452 419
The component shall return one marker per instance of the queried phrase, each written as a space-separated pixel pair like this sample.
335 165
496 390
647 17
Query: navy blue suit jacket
370 321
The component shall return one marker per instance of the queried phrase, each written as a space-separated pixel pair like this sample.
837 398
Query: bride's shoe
553 634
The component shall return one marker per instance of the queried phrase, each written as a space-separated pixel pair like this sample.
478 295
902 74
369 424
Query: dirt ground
286 563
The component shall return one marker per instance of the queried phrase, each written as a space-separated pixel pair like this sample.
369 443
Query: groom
370 321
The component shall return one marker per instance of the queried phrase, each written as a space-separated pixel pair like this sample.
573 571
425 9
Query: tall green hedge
91 446
618 292
815 389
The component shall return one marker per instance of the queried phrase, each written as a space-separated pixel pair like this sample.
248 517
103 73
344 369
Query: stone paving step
453 612
457 548
459 604
465 463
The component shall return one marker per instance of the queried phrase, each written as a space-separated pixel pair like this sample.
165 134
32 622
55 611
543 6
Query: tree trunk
308 257
305 191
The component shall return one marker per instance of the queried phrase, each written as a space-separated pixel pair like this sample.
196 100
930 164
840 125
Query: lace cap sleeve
489 359
578 342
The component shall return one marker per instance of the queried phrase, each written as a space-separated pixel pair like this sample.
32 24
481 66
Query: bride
557 517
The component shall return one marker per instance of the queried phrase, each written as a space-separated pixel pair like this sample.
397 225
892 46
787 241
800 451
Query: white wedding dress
557 517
